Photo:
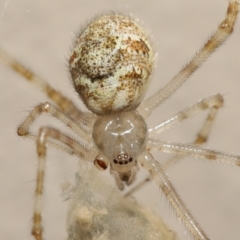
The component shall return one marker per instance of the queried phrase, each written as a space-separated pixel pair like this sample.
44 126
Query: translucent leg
223 32
194 151
65 104
42 138
24 128
213 103
159 176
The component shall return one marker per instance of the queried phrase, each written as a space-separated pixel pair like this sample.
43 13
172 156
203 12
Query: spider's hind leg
63 103
224 30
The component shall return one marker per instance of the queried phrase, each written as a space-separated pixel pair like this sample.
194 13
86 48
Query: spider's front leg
160 177
194 151
52 137
157 172
82 152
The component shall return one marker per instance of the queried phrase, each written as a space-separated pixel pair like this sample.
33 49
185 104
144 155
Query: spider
111 72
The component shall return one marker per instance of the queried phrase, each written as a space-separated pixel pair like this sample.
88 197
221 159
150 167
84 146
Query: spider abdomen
111 64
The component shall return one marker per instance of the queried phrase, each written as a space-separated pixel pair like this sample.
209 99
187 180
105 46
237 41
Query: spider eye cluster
111 63
122 159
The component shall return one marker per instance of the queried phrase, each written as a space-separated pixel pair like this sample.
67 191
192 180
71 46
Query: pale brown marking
37 229
22 71
238 164
211 156
200 139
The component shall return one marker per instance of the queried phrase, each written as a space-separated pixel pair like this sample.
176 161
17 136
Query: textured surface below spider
98 211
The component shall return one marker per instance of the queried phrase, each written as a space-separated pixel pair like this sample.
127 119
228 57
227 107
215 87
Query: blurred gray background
40 34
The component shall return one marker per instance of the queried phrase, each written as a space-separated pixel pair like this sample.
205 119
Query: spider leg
82 152
23 129
222 33
65 104
194 151
158 174
213 103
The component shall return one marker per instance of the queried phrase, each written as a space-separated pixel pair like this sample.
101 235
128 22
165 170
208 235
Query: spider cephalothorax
121 138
